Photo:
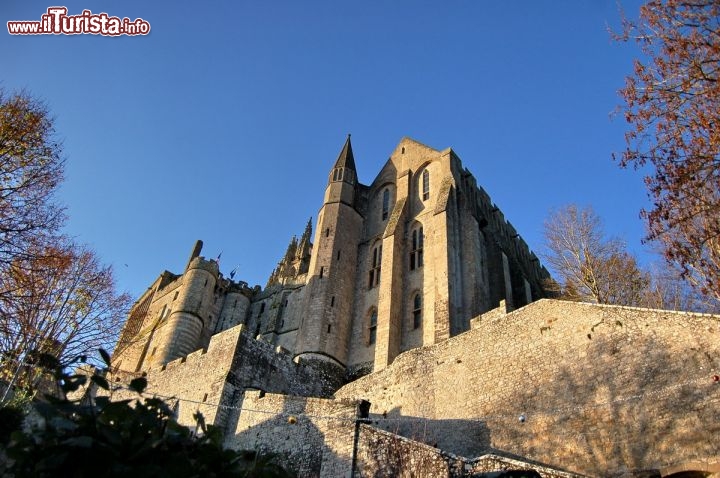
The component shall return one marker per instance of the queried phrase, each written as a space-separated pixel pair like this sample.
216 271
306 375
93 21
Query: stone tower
326 328
184 323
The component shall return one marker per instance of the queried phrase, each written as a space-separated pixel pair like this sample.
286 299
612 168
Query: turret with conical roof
327 326
343 177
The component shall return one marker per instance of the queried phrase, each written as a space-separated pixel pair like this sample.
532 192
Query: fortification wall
260 365
594 389
380 453
193 383
212 381
312 436
330 438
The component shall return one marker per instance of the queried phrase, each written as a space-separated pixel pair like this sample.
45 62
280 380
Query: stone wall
381 453
212 380
329 438
593 389
193 383
311 436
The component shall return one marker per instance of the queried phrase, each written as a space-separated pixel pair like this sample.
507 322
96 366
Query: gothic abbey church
399 264
411 336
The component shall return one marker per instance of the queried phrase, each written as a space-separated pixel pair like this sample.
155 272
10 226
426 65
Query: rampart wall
593 389
307 434
213 380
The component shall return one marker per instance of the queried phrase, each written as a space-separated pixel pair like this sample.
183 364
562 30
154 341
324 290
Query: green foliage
137 438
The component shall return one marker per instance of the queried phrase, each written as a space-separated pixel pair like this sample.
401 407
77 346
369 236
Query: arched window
372 327
337 174
417 311
416 252
426 185
374 276
385 203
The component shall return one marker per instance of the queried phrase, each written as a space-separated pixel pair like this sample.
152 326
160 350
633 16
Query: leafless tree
590 266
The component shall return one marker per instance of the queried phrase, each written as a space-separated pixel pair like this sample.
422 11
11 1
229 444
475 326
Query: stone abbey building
411 336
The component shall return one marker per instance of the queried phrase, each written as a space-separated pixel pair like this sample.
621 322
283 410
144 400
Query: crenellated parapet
208 265
491 218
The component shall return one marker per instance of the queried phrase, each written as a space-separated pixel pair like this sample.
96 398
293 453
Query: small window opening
417 311
374 275
372 328
332 301
385 204
426 185
416 252
328 328
327 232
176 295
338 255
322 271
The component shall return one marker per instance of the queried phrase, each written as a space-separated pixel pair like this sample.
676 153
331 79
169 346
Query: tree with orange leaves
673 108
63 303
55 296
31 169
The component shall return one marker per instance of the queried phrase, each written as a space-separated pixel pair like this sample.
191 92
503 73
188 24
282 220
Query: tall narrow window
417 311
426 185
372 327
385 204
416 253
374 276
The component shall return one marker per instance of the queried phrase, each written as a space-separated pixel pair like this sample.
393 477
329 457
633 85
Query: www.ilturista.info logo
57 22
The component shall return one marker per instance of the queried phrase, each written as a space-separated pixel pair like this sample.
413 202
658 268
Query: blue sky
224 121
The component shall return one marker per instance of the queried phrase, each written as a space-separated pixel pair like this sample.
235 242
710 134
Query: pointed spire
303 248
290 252
346 159
308 231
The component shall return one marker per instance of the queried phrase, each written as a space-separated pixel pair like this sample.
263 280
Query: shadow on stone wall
471 437
307 435
296 441
623 405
